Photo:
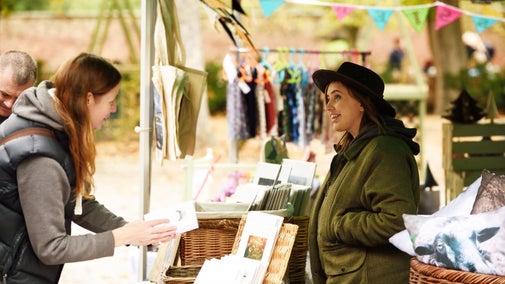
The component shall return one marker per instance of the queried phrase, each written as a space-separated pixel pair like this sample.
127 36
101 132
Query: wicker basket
421 273
276 269
181 274
213 239
217 226
298 259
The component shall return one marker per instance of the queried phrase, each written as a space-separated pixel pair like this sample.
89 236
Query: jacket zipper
18 238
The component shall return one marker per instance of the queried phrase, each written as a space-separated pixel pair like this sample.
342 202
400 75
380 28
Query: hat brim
324 77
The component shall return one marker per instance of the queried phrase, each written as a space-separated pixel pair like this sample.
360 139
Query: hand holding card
183 216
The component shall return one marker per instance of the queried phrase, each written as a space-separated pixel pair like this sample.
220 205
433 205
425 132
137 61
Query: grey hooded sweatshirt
44 191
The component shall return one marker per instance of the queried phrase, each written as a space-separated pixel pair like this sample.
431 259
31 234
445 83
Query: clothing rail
301 51
358 57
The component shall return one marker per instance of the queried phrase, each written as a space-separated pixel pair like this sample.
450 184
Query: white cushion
461 206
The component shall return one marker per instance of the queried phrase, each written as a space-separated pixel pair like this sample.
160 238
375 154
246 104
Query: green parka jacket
360 206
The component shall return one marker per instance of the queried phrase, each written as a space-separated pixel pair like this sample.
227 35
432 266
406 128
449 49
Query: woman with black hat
373 180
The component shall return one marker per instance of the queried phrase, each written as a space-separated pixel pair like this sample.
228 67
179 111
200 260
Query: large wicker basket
213 239
217 226
421 273
276 269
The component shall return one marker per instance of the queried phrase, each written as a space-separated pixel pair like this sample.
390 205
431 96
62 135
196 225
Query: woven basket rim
433 274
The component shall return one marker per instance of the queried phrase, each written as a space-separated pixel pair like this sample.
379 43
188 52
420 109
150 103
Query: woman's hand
142 233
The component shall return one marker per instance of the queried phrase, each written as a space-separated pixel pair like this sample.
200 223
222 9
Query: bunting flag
269 6
380 16
342 11
416 14
446 15
417 17
482 23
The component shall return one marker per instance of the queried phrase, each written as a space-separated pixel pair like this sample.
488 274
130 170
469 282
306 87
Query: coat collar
359 142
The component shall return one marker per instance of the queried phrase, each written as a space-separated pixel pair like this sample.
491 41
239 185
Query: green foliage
7 6
479 82
387 76
414 2
121 125
94 5
216 88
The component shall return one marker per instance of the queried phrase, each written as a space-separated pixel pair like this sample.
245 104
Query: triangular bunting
269 6
380 16
417 17
482 23
446 15
342 11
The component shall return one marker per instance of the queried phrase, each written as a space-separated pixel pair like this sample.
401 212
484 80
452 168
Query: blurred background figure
480 54
395 61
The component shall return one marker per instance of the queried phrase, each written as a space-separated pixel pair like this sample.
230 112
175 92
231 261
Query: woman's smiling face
344 110
100 107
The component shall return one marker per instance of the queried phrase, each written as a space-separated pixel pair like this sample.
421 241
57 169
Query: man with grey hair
18 72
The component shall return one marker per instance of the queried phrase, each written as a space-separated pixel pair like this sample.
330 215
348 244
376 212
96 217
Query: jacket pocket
341 259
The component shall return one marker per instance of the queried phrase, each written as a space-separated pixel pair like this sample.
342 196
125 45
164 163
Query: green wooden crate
468 149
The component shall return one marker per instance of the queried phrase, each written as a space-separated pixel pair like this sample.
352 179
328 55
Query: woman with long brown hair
46 177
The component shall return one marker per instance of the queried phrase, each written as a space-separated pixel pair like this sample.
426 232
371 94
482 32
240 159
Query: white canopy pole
148 18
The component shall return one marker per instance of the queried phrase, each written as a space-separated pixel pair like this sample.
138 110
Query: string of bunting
416 14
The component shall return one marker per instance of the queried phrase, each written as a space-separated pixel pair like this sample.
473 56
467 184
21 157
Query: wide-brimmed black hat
359 78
